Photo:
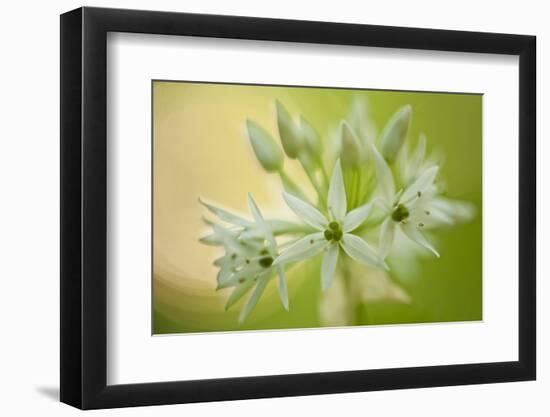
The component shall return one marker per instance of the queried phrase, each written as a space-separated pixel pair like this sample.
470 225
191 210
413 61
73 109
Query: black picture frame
84 207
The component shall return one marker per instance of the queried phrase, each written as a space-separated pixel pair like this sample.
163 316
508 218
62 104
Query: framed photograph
257 207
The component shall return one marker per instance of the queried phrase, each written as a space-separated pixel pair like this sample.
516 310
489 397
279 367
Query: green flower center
400 213
333 232
266 261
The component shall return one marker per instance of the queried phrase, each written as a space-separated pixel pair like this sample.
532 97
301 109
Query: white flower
332 233
410 209
250 249
444 211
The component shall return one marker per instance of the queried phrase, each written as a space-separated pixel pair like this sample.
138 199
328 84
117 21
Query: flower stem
315 184
350 295
357 310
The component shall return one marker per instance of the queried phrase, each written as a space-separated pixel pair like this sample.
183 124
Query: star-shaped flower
333 232
444 211
248 261
409 209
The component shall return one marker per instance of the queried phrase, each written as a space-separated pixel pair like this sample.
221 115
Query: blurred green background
201 150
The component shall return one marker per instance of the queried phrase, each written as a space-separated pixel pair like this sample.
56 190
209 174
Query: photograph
267 209
282 207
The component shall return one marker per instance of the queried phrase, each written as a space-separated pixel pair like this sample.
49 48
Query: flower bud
395 132
290 139
352 151
266 150
311 140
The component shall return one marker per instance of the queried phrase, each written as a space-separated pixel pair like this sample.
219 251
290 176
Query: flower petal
306 212
384 176
356 217
360 251
254 209
337 194
253 300
387 233
238 293
223 275
420 185
282 226
418 157
277 227
283 290
429 215
330 259
225 237
226 215
246 272
304 248
212 239
267 233
415 235
454 209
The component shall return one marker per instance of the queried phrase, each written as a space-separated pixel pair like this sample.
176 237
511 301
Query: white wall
29 173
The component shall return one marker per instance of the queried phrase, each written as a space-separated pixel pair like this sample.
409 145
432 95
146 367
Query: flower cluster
370 191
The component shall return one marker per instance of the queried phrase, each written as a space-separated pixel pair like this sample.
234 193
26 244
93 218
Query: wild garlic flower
445 211
250 249
409 209
333 232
